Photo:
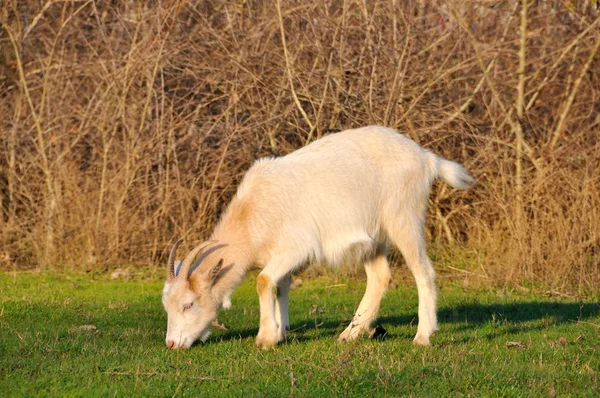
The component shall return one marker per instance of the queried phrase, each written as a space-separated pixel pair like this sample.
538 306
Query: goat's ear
201 282
213 273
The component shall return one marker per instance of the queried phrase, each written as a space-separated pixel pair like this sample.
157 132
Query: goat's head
188 299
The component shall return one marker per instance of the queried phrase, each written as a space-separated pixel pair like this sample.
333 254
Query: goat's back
336 192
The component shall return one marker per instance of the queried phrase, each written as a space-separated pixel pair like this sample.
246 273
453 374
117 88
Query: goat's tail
452 173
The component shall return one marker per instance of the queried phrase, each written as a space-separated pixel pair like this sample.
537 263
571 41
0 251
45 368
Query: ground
83 335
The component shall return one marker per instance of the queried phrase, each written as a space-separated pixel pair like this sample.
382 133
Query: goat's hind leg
378 279
409 238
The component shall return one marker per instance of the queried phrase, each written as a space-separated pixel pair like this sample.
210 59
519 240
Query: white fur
342 198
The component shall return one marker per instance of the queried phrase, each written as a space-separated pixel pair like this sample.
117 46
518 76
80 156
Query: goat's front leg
273 323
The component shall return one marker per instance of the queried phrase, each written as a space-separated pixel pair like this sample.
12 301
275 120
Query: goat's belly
348 248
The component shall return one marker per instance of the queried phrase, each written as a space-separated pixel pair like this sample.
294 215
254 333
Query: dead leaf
412 320
295 283
86 316
315 309
218 325
523 289
120 273
515 344
87 328
378 333
589 369
293 379
561 341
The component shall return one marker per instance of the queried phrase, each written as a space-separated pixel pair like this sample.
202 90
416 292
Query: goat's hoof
282 333
265 344
351 333
421 340
266 340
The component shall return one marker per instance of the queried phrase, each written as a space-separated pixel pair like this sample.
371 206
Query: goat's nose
170 344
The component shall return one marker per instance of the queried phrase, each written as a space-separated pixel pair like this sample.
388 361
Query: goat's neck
236 257
236 247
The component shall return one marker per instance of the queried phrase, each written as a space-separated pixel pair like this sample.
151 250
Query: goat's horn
189 259
171 262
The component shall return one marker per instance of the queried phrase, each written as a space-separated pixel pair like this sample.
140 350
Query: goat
344 197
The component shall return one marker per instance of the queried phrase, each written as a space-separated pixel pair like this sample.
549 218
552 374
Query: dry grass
127 124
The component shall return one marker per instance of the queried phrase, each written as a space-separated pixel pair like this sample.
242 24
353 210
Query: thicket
127 124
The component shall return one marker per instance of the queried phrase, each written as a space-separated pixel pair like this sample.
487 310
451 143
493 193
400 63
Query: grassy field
80 335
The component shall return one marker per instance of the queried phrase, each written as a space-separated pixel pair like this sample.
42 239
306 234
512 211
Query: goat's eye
188 306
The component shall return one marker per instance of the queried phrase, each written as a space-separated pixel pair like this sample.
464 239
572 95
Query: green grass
44 351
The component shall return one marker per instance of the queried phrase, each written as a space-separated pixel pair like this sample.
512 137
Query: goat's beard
204 335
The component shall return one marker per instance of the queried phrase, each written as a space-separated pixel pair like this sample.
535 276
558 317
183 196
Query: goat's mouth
187 343
171 344
179 342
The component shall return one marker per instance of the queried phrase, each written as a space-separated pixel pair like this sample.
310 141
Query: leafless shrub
127 124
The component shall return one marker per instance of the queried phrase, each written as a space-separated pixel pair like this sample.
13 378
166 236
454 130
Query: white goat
342 198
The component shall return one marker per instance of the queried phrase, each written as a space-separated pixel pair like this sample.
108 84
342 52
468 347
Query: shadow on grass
465 322
491 320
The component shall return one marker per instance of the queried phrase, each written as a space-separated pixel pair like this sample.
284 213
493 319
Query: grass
45 351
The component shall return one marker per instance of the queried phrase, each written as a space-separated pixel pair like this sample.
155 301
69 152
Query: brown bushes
126 125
